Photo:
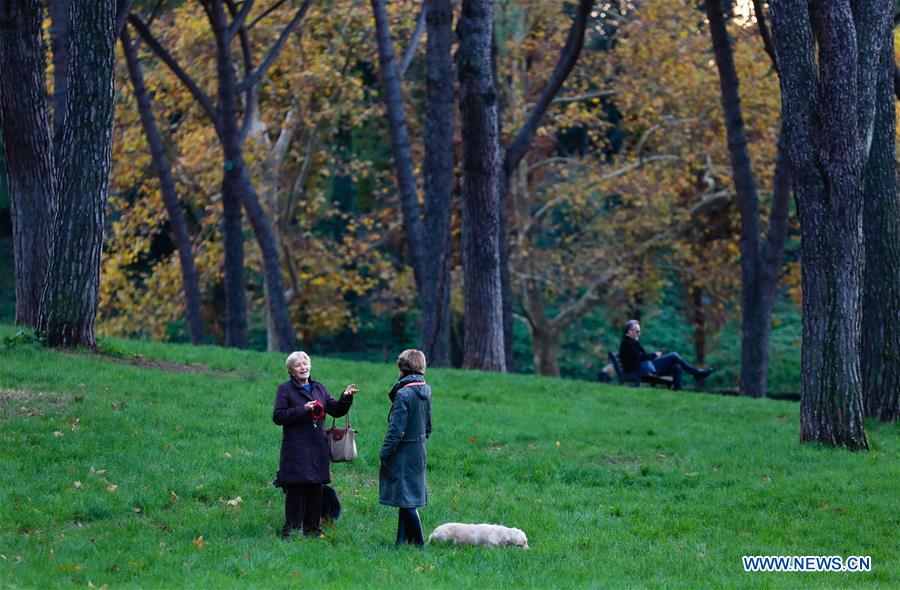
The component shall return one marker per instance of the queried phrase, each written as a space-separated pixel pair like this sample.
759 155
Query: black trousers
409 527
303 507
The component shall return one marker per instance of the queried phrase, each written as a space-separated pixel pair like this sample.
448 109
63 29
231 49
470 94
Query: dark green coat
403 454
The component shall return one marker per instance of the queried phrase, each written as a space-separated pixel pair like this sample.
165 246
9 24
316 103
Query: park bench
636 378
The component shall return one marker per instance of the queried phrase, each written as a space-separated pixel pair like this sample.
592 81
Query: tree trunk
759 268
232 233
180 234
29 152
276 301
484 346
546 346
880 347
439 181
699 321
513 155
69 301
403 165
828 112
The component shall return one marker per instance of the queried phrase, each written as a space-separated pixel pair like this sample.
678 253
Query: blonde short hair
411 361
292 358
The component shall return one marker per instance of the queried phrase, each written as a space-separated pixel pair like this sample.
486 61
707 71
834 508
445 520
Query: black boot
702 374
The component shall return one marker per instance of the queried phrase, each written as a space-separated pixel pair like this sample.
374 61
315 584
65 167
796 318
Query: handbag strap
347 423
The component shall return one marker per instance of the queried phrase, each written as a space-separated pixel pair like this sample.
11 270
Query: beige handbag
342 442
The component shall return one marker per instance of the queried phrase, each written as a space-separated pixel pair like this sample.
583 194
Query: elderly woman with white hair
300 407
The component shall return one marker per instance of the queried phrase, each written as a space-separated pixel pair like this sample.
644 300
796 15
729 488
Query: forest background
628 179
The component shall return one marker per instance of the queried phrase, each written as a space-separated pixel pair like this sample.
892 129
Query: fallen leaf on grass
112 487
70 568
77 484
57 433
227 455
766 478
199 543
174 496
235 501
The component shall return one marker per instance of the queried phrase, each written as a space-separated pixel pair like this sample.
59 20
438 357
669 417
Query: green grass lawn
155 472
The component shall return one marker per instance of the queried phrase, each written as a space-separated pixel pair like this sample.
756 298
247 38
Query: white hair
292 358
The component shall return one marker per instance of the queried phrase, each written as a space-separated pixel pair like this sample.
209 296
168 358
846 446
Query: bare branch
238 19
414 42
578 97
265 13
179 72
257 75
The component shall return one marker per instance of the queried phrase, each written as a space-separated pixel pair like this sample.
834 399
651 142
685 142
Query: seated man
635 359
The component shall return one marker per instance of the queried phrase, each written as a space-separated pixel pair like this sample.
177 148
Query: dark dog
331 506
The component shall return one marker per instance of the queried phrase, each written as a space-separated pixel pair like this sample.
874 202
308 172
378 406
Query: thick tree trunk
29 152
880 348
182 238
403 165
69 301
828 111
484 346
439 181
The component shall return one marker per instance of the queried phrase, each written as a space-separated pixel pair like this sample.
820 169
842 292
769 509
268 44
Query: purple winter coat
305 455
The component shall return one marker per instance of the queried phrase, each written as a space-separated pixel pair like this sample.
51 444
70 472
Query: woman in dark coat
403 454
300 408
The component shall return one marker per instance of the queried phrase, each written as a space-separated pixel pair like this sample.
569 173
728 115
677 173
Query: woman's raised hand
350 389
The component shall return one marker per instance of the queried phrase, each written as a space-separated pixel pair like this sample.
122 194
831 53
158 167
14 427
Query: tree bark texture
758 279
483 321
59 42
403 164
828 112
440 124
182 238
69 301
880 347
29 151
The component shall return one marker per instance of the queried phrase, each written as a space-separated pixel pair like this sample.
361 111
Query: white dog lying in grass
492 535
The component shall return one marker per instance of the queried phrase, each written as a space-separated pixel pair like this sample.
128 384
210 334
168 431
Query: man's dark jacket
305 454
632 354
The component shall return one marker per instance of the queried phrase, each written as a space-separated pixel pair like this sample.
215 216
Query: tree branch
265 13
567 59
238 19
179 72
414 42
257 75
762 25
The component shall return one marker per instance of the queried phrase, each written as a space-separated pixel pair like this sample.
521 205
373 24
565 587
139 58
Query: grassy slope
614 487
